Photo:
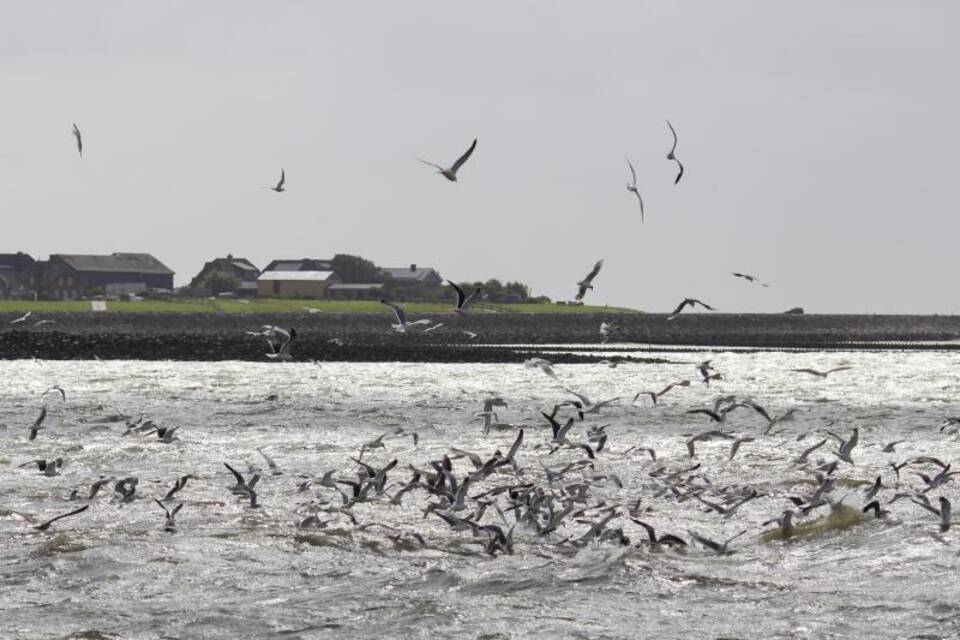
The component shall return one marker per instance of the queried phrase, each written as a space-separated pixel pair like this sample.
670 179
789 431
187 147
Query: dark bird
38 423
450 173
689 302
672 155
750 278
632 187
587 282
283 178
170 524
463 300
76 134
716 547
655 396
46 525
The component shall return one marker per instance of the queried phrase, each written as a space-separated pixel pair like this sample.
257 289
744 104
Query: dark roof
406 273
299 264
17 260
114 263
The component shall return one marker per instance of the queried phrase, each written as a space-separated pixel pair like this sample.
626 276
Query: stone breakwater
499 336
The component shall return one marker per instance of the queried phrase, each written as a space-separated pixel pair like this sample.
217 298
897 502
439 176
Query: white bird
76 134
632 187
402 322
283 178
539 363
587 282
450 173
821 374
281 350
22 318
672 155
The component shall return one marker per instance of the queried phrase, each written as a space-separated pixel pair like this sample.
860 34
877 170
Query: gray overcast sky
820 140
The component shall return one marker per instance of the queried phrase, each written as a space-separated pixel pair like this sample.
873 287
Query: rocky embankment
499 336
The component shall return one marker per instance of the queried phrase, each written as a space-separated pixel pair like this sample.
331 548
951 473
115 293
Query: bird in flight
283 178
450 173
587 283
402 322
821 374
76 134
632 187
689 302
463 301
750 278
43 526
672 155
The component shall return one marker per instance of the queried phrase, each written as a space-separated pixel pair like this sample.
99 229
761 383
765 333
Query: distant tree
517 288
356 270
220 281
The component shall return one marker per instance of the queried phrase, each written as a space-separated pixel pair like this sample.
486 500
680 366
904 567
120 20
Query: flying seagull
38 423
689 302
281 350
170 524
463 300
632 187
283 178
587 282
22 318
672 155
46 525
750 278
76 134
450 173
821 374
402 322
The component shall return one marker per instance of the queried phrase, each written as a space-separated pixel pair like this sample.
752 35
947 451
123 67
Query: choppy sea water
230 571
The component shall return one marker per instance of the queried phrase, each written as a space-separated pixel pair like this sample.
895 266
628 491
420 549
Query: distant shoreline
500 337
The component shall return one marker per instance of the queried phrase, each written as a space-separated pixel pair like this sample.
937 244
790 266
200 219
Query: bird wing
398 310
464 157
680 307
835 369
633 172
593 272
702 304
62 515
679 173
675 138
473 296
283 178
435 166
460 296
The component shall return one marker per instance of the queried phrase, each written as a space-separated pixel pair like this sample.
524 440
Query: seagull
450 173
667 539
692 303
721 549
170 525
672 155
46 525
47 467
76 134
37 424
22 318
463 301
632 187
706 435
281 350
821 374
656 396
846 446
402 323
283 178
539 363
803 456
586 405
58 389
749 278
587 283
271 463
727 512
944 511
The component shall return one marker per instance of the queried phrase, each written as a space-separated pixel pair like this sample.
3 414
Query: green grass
277 305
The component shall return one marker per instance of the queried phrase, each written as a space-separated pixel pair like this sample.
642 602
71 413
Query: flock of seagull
552 484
